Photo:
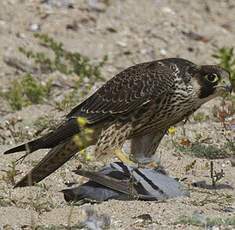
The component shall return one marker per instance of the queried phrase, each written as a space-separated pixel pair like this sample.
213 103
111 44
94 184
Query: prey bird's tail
55 158
63 132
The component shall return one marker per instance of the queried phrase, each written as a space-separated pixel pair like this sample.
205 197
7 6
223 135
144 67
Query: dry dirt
129 32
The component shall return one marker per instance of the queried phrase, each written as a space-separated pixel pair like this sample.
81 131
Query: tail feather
55 158
50 140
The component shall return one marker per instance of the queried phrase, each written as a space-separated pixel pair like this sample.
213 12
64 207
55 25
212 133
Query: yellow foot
122 156
148 163
151 165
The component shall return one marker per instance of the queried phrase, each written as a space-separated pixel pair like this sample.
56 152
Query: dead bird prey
140 104
122 182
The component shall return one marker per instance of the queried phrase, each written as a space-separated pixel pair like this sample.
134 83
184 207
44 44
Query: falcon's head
211 81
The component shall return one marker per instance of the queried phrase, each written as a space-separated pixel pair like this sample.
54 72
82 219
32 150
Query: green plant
34 90
14 96
28 90
68 101
204 151
41 203
206 221
200 117
6 198
10 173
62 60
226 58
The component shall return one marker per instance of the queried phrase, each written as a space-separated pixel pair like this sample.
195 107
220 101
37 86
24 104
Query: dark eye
212 77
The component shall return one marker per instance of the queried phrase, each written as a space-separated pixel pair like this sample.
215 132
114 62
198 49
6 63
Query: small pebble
60 3
163 51
122 44
97 5
34 27
168 10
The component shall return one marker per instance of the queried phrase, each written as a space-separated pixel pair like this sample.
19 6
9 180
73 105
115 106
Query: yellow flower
78 141
81 121
88 131
88 157
85 155
172 131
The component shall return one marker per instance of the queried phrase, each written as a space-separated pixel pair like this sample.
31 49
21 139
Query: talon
149 164
152 165
122 156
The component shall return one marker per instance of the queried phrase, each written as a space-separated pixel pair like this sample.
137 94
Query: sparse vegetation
211 196
200 117
53 227
40 202
200 150
6 198
29 89
67 102
14 130
44 123
62 60
226 58
206 221
10 173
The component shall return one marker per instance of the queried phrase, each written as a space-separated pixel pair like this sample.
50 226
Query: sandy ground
129 32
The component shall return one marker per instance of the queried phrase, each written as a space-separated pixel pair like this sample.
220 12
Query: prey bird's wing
106 180
120 181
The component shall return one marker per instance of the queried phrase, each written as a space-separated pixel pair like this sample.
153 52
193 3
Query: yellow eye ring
212 77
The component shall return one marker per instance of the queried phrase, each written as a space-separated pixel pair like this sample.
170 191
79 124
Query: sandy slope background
129 32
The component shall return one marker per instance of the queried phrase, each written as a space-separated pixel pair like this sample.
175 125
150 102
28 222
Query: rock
163 52
60 3
97 5
34 27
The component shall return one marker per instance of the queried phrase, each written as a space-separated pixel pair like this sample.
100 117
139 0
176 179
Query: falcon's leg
144 147
111 141
122 156
104 156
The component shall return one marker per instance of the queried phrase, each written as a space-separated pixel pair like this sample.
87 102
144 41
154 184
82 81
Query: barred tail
55 158
50 140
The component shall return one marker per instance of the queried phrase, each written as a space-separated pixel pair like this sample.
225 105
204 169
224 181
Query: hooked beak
225 85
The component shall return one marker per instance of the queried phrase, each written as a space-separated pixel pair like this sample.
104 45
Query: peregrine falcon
139 104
